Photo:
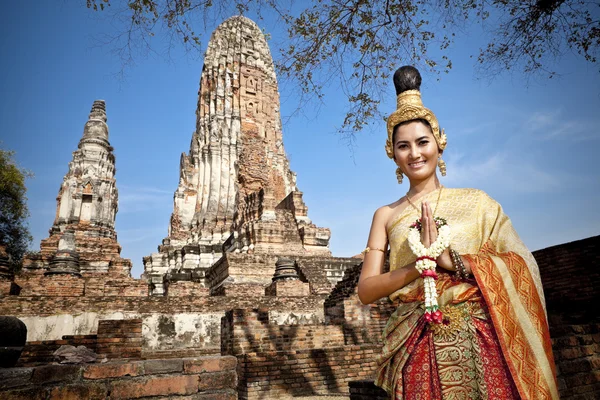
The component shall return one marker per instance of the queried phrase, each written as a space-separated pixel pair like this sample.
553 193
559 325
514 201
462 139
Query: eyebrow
406 141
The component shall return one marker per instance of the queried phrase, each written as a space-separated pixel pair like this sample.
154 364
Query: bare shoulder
385 214
387 211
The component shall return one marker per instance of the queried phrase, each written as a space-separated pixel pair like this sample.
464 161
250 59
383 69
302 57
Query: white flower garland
426 263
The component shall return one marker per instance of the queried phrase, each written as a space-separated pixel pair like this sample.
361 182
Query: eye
424 142
402 146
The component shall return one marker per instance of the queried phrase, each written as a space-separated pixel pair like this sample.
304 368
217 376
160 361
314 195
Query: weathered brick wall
571 278
51 286
577 354
280 361
571 273
183 288
250 331
8 288
42 352
172 326
208 378
116 339
291 288
324 273
120 338
361 323
64 285
292 373
110 285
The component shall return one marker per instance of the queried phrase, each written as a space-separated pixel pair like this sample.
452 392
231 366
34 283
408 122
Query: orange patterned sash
519 320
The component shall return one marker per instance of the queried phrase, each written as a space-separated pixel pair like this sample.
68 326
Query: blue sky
532 144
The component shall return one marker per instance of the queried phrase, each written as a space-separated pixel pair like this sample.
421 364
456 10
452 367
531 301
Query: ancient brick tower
83 238
236 191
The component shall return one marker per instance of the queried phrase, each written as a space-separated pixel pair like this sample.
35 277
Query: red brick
218 380
154 386
162 366
209 364
112 370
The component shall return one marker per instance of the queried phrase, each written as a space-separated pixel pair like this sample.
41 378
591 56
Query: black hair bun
407 78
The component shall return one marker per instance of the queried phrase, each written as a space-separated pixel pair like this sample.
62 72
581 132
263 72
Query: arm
373 284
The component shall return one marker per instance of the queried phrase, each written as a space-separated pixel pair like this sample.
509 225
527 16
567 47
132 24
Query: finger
426 227
423 230
432 227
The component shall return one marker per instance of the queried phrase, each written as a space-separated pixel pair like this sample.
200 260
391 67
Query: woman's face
415 150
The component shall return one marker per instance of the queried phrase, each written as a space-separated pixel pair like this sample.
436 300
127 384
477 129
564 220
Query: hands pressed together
429 234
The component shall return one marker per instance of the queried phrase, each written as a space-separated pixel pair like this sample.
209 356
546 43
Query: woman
471 320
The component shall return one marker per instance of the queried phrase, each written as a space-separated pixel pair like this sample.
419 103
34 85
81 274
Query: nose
414 152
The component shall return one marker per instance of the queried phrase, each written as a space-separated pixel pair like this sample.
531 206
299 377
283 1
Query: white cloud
502 170
550 125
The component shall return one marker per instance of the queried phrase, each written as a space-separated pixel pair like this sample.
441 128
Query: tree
14 233
362 42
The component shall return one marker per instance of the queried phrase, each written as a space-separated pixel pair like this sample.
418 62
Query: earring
399 175
442 166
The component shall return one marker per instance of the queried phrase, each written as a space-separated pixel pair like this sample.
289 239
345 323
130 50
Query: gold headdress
410 107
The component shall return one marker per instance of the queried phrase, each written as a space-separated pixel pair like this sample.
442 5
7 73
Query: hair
407 78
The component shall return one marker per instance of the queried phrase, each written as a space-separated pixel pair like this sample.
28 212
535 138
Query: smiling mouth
416 164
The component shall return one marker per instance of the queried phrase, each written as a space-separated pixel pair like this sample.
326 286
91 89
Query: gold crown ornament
410 107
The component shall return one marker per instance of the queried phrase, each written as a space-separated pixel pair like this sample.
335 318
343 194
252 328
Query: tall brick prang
236 191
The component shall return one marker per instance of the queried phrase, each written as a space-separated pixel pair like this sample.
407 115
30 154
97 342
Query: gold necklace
436 204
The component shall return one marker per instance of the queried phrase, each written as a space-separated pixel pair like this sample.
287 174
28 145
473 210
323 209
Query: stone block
14 377
209 364
162 366
38 393
221 395
89 391
113 370
218 380
154 386
56 373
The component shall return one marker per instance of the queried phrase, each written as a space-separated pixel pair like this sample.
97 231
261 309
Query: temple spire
96 127
83 238
236 171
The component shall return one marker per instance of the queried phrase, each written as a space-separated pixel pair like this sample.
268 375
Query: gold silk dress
494 341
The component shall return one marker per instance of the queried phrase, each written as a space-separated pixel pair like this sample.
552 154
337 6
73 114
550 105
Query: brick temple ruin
243 298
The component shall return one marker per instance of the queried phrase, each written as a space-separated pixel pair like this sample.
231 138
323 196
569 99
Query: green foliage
361 42
14 233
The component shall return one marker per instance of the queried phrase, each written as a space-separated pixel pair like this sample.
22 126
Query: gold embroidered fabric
458 355
475 218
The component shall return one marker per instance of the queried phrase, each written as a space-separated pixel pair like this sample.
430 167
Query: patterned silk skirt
458 359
